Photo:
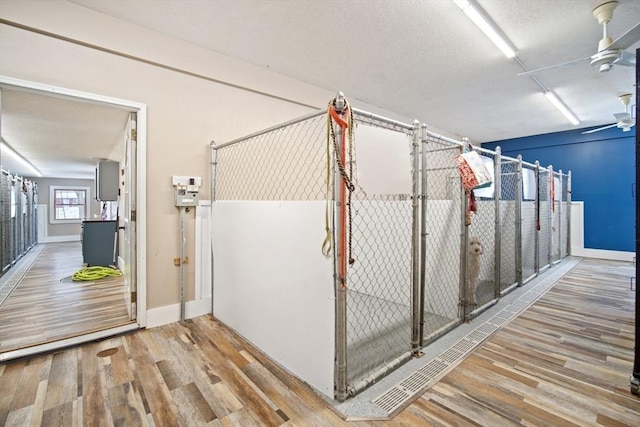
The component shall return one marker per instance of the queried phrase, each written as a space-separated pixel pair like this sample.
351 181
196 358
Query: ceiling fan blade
599 129
527 73
621 117
627 59
627 39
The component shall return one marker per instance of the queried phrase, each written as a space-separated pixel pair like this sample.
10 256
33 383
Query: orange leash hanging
344 125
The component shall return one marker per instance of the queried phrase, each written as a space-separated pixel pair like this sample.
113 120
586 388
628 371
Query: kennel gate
509 224
441 236
544 204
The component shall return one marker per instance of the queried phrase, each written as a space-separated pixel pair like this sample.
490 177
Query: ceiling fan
624 120
609 52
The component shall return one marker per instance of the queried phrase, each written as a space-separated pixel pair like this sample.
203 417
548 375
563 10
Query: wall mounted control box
186 190
187 195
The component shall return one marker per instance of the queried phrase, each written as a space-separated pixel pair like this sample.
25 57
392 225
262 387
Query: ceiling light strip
6 149
488 27
482 21
557 102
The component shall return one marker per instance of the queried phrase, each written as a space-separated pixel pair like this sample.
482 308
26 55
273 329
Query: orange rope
343 189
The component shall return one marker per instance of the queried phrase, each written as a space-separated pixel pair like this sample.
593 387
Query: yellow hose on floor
95 273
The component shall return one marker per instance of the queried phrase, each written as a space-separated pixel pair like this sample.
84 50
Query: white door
127 216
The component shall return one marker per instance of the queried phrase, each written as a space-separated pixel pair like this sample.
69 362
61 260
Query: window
68 204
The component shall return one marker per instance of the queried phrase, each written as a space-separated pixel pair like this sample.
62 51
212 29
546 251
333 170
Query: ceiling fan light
563 108
487 27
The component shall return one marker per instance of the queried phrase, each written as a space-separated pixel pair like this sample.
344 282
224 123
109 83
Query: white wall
273 285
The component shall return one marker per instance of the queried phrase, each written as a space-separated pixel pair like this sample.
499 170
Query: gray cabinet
99 243
107 181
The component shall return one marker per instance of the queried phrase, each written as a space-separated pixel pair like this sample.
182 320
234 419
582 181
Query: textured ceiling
63 138
421 59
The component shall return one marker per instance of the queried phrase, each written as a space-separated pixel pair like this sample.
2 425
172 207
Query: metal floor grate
433 371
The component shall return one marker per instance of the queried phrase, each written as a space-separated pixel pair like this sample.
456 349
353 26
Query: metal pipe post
339 282
182 257
214 163
464 239
550 197
537 213
415 241
560 213
569 213
518 218
497 197
423 231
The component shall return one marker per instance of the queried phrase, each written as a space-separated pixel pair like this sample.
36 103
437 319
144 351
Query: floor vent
435 369
392 399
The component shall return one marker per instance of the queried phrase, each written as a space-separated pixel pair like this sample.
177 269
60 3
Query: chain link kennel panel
443 230
481 242
556 215
286 163
509 219
528 222
564 218
379 280
5 218
544 219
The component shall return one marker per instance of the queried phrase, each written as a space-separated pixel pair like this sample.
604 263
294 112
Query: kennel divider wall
271 283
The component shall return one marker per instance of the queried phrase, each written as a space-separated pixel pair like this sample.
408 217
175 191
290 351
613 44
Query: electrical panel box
187 195
107 188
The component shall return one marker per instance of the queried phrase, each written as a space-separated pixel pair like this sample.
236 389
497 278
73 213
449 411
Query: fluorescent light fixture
560 106
490 30
8 150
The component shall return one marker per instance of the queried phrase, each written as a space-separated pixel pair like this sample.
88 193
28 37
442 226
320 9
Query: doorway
65 133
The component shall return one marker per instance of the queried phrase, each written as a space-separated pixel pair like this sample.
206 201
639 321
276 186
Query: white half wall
273 286
203 250
577 239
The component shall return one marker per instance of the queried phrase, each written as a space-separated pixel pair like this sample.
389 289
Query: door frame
140 195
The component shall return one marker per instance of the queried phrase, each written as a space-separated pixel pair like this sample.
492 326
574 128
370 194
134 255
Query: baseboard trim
603 254
171 313
59 239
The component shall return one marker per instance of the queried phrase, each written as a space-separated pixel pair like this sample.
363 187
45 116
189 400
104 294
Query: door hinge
134 296
133 216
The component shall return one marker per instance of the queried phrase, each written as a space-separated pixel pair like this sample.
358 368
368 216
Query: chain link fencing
544 219
556 215
481 242
5 217
509 218
528 222
379 290
283 163
376 309
18 218
443 228
566 215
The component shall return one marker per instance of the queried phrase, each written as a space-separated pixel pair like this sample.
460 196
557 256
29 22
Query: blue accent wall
602 166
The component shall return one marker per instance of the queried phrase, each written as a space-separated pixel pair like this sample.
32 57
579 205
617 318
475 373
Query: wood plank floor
47 306
565 361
